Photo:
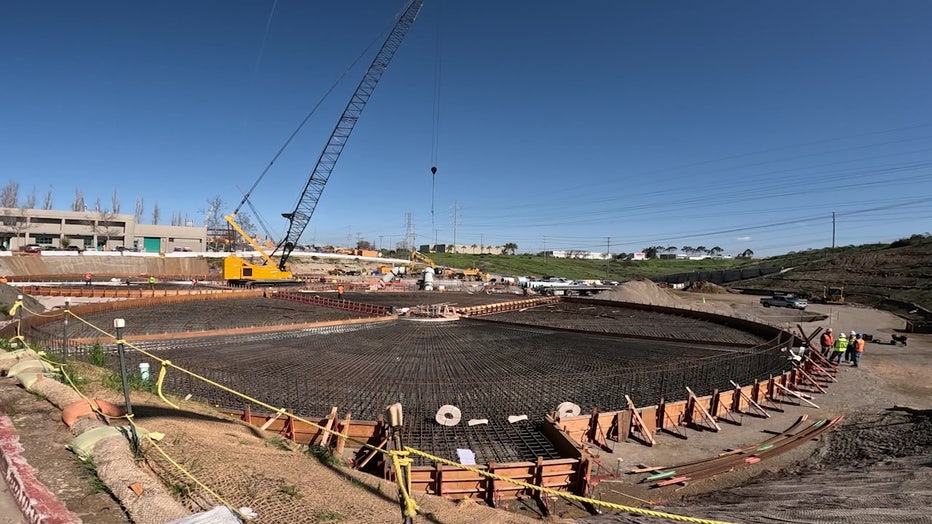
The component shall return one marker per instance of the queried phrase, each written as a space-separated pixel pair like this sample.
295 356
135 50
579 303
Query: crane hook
433 170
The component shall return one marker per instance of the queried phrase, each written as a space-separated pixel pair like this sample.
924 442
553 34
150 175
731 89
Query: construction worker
828 343
87 279
151 282
340 292
849 353
858 349
841 345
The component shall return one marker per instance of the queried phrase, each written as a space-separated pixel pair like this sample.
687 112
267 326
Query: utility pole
545 248
608 256
456 209
833 230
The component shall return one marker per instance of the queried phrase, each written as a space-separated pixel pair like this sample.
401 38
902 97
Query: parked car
32 248
785 301
73 247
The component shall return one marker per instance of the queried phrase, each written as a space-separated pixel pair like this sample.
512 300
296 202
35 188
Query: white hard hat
842 335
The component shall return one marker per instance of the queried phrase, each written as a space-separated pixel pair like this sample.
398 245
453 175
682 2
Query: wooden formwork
696 412
570 436
501 307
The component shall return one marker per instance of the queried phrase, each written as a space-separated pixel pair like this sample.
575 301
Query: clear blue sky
562 125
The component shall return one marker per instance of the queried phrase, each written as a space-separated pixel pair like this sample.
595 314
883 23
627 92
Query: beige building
81 230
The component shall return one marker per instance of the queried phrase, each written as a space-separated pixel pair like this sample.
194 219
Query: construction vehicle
833 295
240 271
472 273
417 256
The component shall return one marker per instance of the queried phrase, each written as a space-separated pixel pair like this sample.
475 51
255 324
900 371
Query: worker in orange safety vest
828 343
858 349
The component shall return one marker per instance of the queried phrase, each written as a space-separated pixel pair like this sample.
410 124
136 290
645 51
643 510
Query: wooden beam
790 392
341 441
638 423
705 414
757 407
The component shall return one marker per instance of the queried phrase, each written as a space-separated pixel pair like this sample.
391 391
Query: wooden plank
639 424
341 441
697 405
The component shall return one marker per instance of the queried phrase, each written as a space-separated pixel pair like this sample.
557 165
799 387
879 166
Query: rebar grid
598 318
489 371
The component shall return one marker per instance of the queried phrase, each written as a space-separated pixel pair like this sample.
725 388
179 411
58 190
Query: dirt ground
278 482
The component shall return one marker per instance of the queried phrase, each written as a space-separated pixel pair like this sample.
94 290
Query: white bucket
144 370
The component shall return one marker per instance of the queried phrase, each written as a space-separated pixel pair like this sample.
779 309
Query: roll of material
568 409
448 415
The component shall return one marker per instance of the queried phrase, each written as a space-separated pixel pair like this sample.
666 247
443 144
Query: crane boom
299 218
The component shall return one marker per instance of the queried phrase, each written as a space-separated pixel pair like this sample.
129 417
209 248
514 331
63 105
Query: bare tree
106 227
139 210
30 202
78 203
13 220
98 207
114 202
176 218
156 214
47 201
9 196
213 214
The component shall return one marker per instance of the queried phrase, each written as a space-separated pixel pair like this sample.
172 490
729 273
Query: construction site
260 388
541 390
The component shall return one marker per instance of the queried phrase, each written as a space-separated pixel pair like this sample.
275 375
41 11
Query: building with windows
104 231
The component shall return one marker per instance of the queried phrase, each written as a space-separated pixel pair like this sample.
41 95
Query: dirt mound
643 292
707 287
8 296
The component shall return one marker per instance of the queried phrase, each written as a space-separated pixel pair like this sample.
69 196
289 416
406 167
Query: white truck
785 301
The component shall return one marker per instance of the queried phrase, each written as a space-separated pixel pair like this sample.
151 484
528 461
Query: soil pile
642 292
8 296
707 287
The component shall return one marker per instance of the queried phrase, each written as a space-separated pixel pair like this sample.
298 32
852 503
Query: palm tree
509 248
701 249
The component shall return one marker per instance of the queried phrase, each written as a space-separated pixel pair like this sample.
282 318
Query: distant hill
872 274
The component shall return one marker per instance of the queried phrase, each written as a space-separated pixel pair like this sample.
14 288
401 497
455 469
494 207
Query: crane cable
435 121
307 117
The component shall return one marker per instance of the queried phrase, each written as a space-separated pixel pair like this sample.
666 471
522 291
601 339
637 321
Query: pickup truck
785 301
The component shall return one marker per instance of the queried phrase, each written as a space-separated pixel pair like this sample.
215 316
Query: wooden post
341 441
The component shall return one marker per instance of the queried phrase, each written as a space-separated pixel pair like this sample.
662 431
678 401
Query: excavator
238 270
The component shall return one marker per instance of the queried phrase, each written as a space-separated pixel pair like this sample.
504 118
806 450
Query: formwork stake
757 407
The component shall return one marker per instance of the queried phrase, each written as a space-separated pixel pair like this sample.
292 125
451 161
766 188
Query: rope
401 460
568 496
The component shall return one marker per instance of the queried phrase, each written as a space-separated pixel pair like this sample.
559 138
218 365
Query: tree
78 203
106 227
9 196
670 249
509 248
98 207
114 202
716 251
213 214
47 201
701 250
139 210
30 202
365 244
747 253
650 252
687 250
156 214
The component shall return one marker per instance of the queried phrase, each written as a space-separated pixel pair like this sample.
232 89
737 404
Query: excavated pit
516 363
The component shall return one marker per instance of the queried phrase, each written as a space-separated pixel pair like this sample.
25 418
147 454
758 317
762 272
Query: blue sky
562 125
